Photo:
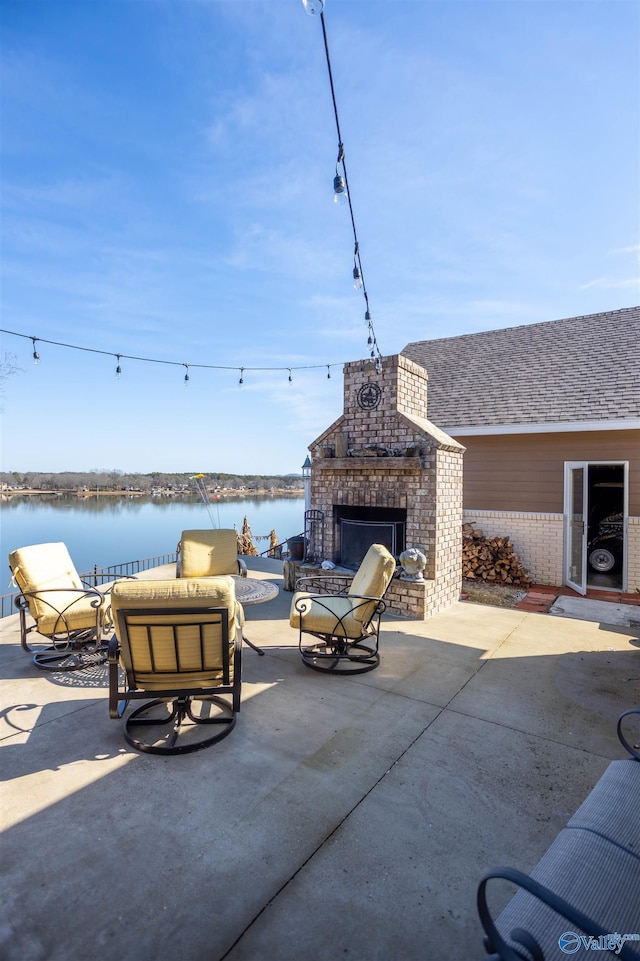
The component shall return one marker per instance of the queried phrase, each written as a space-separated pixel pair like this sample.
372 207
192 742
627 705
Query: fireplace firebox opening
357 528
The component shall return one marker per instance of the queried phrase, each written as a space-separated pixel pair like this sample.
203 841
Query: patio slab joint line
334 830
354 807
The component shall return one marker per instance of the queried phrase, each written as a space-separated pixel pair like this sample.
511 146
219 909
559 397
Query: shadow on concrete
343 817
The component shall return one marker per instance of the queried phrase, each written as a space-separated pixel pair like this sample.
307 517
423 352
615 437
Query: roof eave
559 427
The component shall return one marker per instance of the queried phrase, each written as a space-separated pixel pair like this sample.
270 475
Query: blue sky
167 172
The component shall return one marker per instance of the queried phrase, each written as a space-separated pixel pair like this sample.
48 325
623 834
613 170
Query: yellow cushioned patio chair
208 553
71 615
346 625
181 642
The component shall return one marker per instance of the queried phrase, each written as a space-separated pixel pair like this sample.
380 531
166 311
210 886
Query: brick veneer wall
538 541
428 486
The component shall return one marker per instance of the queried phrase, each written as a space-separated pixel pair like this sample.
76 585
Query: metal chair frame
69 649
178 701
334 649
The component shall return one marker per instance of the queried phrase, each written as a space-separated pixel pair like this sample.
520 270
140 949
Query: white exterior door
575 526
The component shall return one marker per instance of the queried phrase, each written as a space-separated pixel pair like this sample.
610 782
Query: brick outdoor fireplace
382 473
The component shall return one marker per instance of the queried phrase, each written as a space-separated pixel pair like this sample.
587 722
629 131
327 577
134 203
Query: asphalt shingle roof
578 369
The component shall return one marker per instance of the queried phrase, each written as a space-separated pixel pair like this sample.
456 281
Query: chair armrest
495 943
114 650
633 749
362 598
113 659
242 567
237 640
302 606
93 592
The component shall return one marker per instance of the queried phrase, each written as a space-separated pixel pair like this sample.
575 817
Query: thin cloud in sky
632 249
609 283
167 192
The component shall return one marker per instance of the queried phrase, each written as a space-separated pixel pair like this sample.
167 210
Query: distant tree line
120 480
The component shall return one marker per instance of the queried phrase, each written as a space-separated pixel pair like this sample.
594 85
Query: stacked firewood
492 560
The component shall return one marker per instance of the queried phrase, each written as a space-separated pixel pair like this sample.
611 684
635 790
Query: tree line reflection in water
111 529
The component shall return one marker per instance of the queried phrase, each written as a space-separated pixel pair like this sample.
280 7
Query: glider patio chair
208 553
69 614
346 625
178 642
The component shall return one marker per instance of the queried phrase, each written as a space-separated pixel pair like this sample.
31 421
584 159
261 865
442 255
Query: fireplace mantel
371 463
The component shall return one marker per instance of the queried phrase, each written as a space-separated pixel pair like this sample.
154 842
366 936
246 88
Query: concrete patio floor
342 818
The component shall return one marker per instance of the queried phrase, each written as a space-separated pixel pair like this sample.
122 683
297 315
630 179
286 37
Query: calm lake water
106 530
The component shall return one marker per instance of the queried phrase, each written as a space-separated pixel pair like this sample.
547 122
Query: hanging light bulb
340 181
378 366
339 190
328 372
313 7
241 381
290 377
358 282
186 376
118 368
36 355
367 318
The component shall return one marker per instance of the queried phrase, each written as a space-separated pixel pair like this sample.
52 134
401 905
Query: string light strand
172 363
341 190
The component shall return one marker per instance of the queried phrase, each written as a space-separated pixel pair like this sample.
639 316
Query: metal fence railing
7 605
283 550
100 575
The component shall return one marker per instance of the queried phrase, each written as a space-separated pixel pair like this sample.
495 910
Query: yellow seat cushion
48 568
209 553
204 592
372 578
326 614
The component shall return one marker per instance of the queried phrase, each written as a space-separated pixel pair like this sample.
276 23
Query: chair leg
117 703
76 654
252 645
66 651
171 726
334 655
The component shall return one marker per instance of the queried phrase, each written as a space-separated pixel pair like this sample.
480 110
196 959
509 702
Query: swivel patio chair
71 615
346 625
181 642
208 553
